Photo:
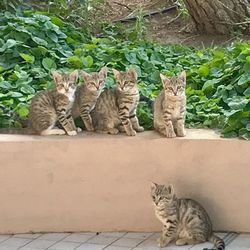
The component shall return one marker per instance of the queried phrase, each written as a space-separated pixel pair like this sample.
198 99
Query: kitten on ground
184 221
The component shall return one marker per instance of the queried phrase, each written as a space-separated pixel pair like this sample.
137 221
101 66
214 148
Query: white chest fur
71 94
176 112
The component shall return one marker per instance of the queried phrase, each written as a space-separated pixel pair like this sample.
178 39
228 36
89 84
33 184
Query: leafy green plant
30 47
82 13
138 31
133 31
218 79
182 8
10 4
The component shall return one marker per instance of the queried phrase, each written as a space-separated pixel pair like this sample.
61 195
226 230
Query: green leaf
53 36
5 85
23 111
15 94
10 43
248 126
243 79
40 41
138 70
248 59
219 54
231 134
75 62
238 103
27 58
57 21
48 63
131 57
203 70
88 61
26 89
90 46
247 91
210 84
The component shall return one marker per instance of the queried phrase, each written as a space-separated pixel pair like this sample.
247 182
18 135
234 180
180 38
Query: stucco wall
102 183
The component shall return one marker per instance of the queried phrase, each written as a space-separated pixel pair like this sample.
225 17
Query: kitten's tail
219 243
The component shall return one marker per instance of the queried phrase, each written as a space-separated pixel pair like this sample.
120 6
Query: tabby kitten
115 109
170 106
184 221
87 95
54 105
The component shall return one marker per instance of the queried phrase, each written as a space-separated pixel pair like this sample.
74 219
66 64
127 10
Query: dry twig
123 5
174 19
190 37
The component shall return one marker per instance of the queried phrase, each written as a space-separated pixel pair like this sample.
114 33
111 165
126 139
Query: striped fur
184 221
87 95
53 106
115 109
170 106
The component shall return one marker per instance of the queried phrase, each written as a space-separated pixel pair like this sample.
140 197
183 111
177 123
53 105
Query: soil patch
170 27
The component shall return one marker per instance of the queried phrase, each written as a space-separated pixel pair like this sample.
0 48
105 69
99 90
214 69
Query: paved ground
107 241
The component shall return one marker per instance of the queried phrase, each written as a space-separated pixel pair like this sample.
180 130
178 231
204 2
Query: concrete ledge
98 182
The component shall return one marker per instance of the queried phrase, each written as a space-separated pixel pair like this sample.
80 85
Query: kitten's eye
167 198
153 197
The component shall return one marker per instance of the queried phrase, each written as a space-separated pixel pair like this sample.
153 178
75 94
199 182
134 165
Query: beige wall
95 183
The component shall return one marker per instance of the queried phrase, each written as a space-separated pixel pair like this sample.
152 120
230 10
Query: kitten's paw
131 133
78 129
72 133
170 134
121 129
90 128
181 133
140 129
180 242
60 132
55 131
113 131
161 242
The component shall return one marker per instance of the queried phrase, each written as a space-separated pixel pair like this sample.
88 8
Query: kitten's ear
116 74
132 73
182 76
164 79
85 75
103 72
57 77
73 76
153 186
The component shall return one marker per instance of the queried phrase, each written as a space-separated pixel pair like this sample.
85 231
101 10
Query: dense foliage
218 90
